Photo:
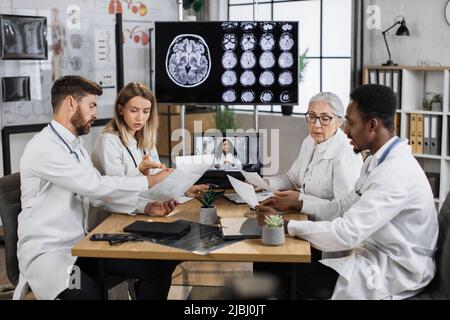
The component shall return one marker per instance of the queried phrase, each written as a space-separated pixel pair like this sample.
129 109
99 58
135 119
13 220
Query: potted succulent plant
436 102
208 212
273 230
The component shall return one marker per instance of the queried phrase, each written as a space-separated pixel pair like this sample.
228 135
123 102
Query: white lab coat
111 157
55 189
228 157
327 170
389 222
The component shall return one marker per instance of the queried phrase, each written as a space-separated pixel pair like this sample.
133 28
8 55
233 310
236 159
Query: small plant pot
436 106
273 236
208 215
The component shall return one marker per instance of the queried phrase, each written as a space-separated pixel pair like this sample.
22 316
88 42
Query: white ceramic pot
273 236
208 215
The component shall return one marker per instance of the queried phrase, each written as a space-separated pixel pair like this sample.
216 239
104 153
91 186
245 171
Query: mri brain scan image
286 60
266 96
229 60
267 41
188 61
229 25
285 96
286 26
248 78
248 26
286 41
229 41
267 60
267 26
266 78
229 78
248 60
247 96
285 78
229 96
248 41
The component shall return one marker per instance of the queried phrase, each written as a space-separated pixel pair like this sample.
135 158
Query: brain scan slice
229 78
229 60
267 26
285 78
247 96
229 25
285 96
248 26
229 95
247 78
266 96
248 60
188 60
286 41
229 41
285 60
267 60
267 41
286 26
248 41
266 78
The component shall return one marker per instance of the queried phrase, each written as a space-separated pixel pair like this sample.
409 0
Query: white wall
429 33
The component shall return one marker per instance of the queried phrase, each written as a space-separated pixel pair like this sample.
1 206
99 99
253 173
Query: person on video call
226 155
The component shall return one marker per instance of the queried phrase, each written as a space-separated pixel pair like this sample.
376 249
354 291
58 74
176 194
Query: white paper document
176 184
260 196
255 179
245 190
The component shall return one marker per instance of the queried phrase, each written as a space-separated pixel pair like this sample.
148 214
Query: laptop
240 228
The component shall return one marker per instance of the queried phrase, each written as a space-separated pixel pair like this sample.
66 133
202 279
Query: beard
81 127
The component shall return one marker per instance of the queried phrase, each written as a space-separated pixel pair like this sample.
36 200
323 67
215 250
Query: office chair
439 287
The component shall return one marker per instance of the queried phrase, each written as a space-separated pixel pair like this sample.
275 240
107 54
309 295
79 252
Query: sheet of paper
193 163
176 184
255 179
245 190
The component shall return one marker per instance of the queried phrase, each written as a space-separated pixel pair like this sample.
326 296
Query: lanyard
64 141
388 149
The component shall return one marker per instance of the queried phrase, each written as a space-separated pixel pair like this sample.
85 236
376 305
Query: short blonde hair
145 137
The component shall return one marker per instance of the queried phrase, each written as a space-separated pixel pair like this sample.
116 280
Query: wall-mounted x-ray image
267 60
229 60
188 61
23 37
229 41
247 78
285 60
226 62
248 41
266 96
248 96
266 78
248 60
285 78
286 41
15 89
267 41
229 96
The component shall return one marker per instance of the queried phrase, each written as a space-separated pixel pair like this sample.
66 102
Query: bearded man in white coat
388 221
58 182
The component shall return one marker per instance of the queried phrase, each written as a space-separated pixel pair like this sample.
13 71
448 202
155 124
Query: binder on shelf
397 86
435 135
388 79
381 77
373 76
419 133
412 132
426 134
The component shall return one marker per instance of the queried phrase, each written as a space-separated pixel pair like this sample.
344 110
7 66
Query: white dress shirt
111 157
229 158
388 221
58 182
322 171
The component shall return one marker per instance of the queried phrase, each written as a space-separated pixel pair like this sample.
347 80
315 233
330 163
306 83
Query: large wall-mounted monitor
232 62
23 37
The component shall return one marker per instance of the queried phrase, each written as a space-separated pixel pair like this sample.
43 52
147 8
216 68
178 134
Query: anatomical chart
227 62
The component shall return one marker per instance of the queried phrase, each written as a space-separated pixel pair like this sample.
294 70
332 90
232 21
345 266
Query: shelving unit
416 82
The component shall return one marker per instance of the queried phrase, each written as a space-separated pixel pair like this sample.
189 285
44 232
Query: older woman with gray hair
327 167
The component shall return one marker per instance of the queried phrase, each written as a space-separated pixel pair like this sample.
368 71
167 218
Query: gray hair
333 101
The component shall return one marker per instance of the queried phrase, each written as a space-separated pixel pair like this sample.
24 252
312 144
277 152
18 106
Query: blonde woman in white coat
326 167
127 145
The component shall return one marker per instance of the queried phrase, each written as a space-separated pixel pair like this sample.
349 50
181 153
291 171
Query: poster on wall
227 62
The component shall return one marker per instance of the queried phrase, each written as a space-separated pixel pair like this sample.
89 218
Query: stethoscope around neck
65 142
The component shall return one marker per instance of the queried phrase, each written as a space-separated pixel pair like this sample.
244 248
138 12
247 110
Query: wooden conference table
249 250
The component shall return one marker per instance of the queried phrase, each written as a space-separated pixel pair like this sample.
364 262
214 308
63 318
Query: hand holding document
176 184
245 191
255 179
